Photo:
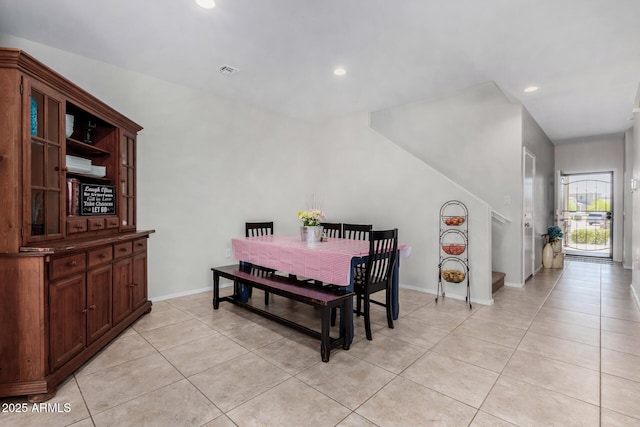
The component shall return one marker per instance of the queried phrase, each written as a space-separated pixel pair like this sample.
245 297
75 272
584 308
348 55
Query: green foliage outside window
599 205
594 237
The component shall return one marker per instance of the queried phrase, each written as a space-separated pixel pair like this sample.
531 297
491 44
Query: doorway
586 214
528 229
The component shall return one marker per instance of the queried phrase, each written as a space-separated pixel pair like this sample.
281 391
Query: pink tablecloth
329 262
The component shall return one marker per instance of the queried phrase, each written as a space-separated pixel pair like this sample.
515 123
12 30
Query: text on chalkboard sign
97 199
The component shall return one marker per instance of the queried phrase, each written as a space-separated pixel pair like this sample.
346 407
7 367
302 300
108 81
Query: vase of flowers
311 230
552 251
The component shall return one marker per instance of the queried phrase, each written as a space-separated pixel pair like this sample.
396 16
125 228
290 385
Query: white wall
635 210
206 165
537 142
362 176
598 154
473 137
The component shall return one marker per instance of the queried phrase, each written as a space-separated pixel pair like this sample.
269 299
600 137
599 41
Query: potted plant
553 246
311 230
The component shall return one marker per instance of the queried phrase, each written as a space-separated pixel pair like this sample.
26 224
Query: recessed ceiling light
531 89
206 4
339 71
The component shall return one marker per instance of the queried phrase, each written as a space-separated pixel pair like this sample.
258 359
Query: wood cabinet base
57 305
40 391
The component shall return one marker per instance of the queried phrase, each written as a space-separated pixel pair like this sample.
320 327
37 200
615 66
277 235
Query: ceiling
584 54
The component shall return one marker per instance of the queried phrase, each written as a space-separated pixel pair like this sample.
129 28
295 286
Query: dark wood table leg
216 290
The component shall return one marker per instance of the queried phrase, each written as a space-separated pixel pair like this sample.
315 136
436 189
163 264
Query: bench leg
216 290
346 313
325 348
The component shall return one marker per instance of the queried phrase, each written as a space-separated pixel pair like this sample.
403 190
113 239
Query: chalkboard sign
97 199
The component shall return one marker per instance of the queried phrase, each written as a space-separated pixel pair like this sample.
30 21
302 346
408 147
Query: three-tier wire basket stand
454 247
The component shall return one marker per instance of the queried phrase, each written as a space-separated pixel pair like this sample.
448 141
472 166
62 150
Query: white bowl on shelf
69 125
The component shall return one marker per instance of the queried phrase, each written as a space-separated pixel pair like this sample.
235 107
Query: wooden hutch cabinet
73 266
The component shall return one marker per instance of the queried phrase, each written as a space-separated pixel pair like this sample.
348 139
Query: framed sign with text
97 199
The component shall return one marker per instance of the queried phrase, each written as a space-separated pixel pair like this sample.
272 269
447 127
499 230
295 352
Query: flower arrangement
553 234
311 218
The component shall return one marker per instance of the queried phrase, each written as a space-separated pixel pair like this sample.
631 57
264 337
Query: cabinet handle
72 263
135 284
140 245
92 307
123 249
84 310
78 226
102 256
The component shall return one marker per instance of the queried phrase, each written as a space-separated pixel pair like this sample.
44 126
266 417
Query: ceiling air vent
227 70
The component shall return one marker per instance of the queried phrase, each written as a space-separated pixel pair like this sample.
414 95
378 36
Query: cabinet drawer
100 256
76 225
140 245
95 224
64 266
122 249
113 222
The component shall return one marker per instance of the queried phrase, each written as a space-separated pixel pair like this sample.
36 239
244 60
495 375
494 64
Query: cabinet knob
73 263
85 310
78 226
102 256
123 249
92 307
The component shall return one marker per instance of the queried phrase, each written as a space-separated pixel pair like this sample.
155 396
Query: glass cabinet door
44 217
128 180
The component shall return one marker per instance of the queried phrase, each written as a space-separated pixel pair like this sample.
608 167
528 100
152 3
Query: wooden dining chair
253 229
356 231
332 229
377 275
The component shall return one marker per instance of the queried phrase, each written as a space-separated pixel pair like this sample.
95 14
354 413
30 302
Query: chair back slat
253 229
332 229
383 248
356 231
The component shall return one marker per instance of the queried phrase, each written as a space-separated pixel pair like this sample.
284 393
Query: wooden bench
289 287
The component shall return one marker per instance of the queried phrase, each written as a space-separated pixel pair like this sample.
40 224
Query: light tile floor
564 351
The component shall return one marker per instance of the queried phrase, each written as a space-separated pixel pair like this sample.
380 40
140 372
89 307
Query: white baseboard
448 295
191 292
635 296
514 285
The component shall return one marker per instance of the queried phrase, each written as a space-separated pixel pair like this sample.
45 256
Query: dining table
332 261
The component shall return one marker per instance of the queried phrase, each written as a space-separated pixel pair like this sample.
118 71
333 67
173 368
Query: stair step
497 281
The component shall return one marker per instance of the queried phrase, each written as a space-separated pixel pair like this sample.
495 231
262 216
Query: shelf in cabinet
84 177
77 147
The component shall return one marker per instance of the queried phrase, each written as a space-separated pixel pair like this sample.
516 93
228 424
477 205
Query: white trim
635 296
448 295
187 293
499 217
514 285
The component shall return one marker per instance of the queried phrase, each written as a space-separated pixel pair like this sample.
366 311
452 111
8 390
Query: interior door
528 229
